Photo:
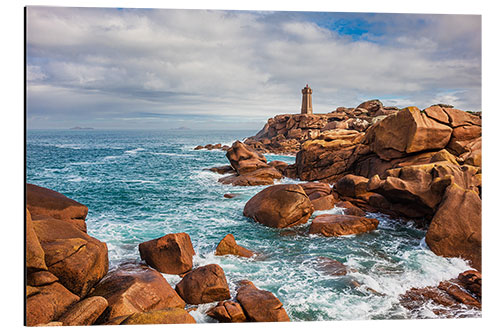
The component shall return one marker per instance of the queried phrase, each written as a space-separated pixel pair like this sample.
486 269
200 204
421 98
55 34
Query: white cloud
244 64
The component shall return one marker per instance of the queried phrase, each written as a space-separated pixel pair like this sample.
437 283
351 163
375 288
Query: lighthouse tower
307 107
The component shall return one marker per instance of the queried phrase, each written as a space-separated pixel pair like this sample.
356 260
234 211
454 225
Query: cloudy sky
141 68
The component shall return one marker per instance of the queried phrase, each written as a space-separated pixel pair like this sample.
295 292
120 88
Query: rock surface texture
260 305
204 285
280 206
170 254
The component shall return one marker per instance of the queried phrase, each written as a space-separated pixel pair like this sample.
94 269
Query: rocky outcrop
449 297
85 312
351 186
328 157
170 254
331 225
204 285
408 131
228 246
133 289
227 312
212 147
455 229
330 266
78 260
279 206
162 316
260 305
42 202
251 167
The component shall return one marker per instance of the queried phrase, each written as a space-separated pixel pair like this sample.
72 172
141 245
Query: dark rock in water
42 202
331 266
260 305
170 254
278 165
161 316
204 285
225 169
227 312
472 281
338 225
228 246
448 297
231 195
146 287
198 147
279 206
85 312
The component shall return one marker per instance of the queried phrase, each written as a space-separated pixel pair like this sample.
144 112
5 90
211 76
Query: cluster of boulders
68 283
423 165
212 147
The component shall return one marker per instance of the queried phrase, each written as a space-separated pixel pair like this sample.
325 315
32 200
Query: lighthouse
307 107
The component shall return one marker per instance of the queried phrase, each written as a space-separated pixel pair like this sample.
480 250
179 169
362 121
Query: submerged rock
339 225
280 206
204 285
170 254
228 246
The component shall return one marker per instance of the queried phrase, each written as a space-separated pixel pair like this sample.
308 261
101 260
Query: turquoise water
141 185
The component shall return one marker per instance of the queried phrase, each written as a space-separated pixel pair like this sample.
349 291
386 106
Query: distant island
81 128
182 128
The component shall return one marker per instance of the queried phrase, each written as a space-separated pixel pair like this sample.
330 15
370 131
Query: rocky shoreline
410 164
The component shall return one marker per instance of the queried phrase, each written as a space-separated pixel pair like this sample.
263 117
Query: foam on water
142 185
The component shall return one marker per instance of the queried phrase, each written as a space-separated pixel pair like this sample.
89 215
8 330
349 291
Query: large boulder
405 132
204 285
455 229
161 316
170 254
47 303
35 257
131 289
332 225
260 305
77 259
227 312
280 206
228 246
41 201
85 312
244 159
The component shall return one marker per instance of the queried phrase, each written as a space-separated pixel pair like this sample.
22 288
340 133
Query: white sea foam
134 151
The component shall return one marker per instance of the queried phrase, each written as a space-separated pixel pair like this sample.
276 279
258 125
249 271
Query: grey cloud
250 65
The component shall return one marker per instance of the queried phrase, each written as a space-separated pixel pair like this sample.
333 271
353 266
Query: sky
115 68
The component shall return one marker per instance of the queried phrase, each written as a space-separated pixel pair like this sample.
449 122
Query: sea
140 185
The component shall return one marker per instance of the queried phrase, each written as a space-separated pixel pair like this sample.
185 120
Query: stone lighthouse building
307 107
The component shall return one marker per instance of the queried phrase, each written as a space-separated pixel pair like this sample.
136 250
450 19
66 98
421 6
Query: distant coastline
81 128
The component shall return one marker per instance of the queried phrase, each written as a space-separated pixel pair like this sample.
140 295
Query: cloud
91 64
